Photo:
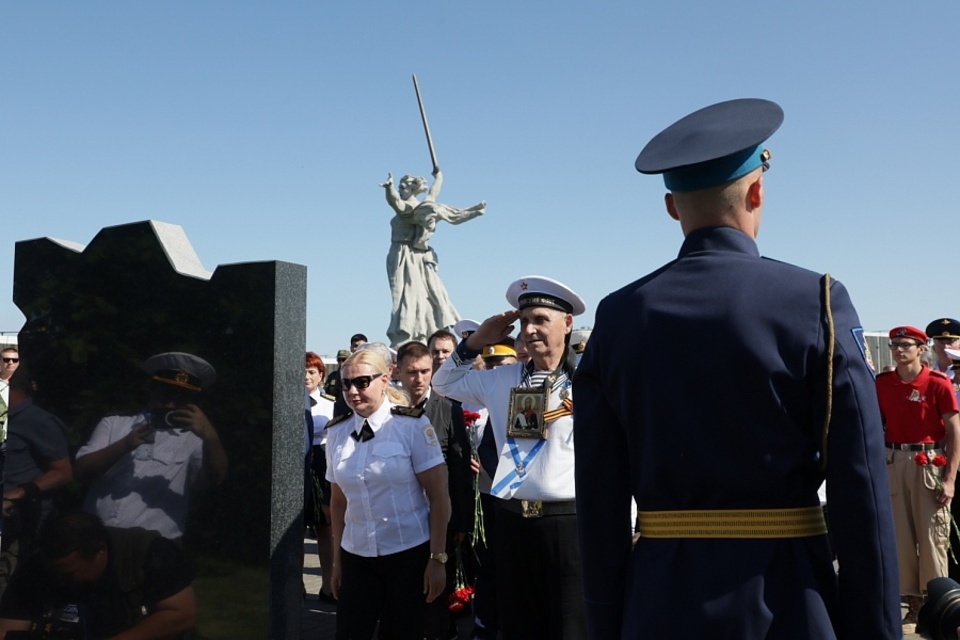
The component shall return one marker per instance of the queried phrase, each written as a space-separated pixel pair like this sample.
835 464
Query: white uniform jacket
529 468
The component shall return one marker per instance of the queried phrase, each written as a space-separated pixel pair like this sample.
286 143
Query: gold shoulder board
410 412
338 420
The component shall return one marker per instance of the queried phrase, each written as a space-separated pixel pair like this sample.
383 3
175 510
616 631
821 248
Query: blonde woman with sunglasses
389 506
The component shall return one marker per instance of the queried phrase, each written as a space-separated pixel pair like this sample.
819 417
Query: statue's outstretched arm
435 187
393 197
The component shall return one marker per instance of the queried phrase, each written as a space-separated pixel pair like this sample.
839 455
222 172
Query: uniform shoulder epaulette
337 420
410 412
940 374
329 397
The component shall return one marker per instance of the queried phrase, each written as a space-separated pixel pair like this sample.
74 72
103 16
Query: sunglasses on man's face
11 359
360 382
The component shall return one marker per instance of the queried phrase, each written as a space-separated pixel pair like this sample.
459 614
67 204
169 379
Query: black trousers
539 578
486 623
388 589
440 622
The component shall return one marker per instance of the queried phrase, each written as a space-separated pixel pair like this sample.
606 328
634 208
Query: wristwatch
439 557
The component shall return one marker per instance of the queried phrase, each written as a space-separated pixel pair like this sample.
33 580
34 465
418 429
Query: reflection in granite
95 313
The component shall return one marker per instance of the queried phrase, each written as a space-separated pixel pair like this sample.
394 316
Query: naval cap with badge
712 146
578 340
179 369
465 327
541 291
944 329
954 355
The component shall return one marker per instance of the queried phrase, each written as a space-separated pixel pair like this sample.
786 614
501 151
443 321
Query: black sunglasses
11 359
360 382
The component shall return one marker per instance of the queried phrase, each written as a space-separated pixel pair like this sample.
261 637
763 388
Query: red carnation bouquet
471 417
462 592
939 461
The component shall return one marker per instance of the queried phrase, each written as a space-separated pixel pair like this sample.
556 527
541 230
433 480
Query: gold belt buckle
532 508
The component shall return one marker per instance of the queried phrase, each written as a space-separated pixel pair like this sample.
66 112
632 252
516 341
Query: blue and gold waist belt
800 522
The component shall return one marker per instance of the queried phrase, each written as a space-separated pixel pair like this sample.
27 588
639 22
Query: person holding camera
142 467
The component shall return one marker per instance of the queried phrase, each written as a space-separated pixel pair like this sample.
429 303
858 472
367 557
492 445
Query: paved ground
319 619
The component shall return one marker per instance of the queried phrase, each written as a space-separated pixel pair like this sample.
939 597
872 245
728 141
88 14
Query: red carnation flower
939 460
456 607
921 459
470 417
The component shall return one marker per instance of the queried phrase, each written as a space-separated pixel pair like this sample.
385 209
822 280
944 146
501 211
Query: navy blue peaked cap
711 146
944 328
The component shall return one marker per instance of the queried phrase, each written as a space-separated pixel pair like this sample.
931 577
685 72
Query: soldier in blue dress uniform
733 542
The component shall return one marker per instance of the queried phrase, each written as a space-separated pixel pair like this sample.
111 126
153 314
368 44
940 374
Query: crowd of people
418 513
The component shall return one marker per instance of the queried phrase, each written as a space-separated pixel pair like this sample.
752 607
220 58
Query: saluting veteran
539 586
732 539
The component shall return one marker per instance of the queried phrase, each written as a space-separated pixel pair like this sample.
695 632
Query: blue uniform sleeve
603 493
858 494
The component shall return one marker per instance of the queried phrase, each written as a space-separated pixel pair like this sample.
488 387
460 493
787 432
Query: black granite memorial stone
95 313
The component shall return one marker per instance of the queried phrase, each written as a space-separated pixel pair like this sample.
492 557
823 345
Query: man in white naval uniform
142 468
539 585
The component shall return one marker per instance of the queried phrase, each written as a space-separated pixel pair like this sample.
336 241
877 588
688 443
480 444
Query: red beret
908 332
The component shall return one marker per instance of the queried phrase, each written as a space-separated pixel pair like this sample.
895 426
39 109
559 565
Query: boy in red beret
922 429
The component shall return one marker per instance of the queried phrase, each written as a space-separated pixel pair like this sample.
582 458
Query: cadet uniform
725 474
913 421
539 584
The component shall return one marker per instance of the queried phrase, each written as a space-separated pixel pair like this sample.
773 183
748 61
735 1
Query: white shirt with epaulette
322 411
387 510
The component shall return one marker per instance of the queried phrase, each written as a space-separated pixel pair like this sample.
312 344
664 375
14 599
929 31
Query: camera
939 616
161 420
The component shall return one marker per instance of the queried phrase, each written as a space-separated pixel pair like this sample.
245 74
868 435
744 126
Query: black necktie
366 433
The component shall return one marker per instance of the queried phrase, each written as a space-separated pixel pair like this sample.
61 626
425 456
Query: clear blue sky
263 129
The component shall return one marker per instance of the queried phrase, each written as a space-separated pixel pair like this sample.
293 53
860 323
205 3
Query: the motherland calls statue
420 301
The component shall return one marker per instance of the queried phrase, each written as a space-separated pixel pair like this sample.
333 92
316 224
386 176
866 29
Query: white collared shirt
522 472
387 510
150 486
322 411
